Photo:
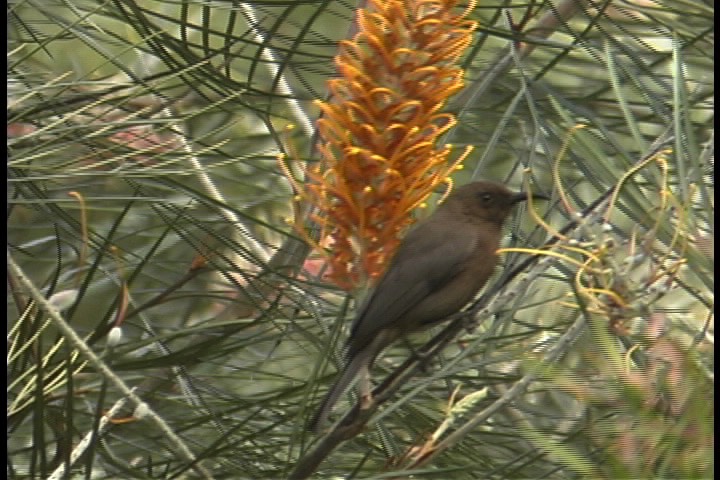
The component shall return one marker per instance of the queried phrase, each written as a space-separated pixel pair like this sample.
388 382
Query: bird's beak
523 196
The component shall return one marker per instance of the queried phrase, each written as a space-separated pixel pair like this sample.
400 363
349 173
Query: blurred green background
165 119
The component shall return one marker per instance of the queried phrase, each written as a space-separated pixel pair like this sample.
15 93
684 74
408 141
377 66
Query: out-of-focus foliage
144 193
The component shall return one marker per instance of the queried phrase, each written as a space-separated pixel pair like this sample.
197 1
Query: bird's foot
365 391
366 401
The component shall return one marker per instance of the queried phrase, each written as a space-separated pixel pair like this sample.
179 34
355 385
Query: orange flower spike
380 129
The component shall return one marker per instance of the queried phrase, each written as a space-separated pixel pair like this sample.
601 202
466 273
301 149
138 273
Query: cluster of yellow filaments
379 130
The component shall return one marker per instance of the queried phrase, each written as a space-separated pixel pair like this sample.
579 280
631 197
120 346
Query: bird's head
488 201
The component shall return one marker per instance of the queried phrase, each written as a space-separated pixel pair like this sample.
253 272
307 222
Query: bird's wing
429 257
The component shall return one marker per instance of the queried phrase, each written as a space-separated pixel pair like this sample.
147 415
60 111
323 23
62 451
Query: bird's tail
347 375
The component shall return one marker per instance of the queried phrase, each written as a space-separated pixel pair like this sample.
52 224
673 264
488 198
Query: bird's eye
485 197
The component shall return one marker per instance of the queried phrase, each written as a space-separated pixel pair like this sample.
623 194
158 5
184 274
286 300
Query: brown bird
438 268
